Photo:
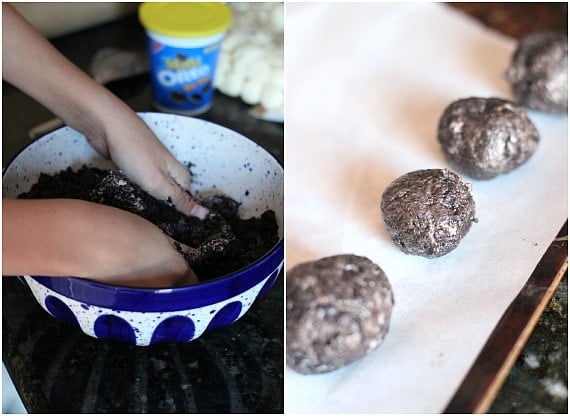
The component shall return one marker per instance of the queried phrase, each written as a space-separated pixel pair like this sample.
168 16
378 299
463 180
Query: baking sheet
366 85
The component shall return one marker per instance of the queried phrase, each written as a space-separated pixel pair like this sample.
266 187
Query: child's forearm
62 237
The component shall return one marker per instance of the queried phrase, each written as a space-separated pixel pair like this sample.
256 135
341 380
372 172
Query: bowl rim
141 113
79 288
126 298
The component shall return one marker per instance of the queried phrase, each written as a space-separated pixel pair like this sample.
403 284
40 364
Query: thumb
185 202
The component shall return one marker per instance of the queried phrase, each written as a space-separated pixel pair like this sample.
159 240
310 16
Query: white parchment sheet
366 84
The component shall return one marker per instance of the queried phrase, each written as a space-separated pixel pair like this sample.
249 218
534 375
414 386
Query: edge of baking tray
493 364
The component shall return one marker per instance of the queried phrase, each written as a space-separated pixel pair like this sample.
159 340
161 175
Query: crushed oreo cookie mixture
486 137
338 311
222 243
538 72
428 212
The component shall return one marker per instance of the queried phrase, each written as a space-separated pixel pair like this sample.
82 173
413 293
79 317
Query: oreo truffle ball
486 137
428 212
338 310
538 73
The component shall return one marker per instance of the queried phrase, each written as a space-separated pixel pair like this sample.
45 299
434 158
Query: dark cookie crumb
428 212
221 244
538 73
338 310
486 137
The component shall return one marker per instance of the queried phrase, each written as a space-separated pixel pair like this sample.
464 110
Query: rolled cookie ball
428 212
538 73
486 137
338 310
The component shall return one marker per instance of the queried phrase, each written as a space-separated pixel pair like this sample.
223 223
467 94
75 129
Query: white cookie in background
251 61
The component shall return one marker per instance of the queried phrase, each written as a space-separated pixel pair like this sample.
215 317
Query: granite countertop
538 382
56 368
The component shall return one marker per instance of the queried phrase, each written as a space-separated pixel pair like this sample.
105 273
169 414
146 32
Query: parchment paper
366 85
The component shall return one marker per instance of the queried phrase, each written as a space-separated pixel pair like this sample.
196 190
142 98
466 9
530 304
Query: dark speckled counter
538 382
58 369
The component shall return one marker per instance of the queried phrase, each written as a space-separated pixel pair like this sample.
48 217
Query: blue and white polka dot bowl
223 161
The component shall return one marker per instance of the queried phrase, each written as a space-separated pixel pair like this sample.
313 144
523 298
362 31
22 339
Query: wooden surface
518 19
482 383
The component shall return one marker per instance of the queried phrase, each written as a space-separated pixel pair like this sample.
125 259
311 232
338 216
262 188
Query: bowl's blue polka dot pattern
221 160
174 329
146 328
272 278
225 316
60 310
114 328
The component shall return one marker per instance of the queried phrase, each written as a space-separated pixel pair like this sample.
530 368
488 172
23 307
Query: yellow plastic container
184 41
